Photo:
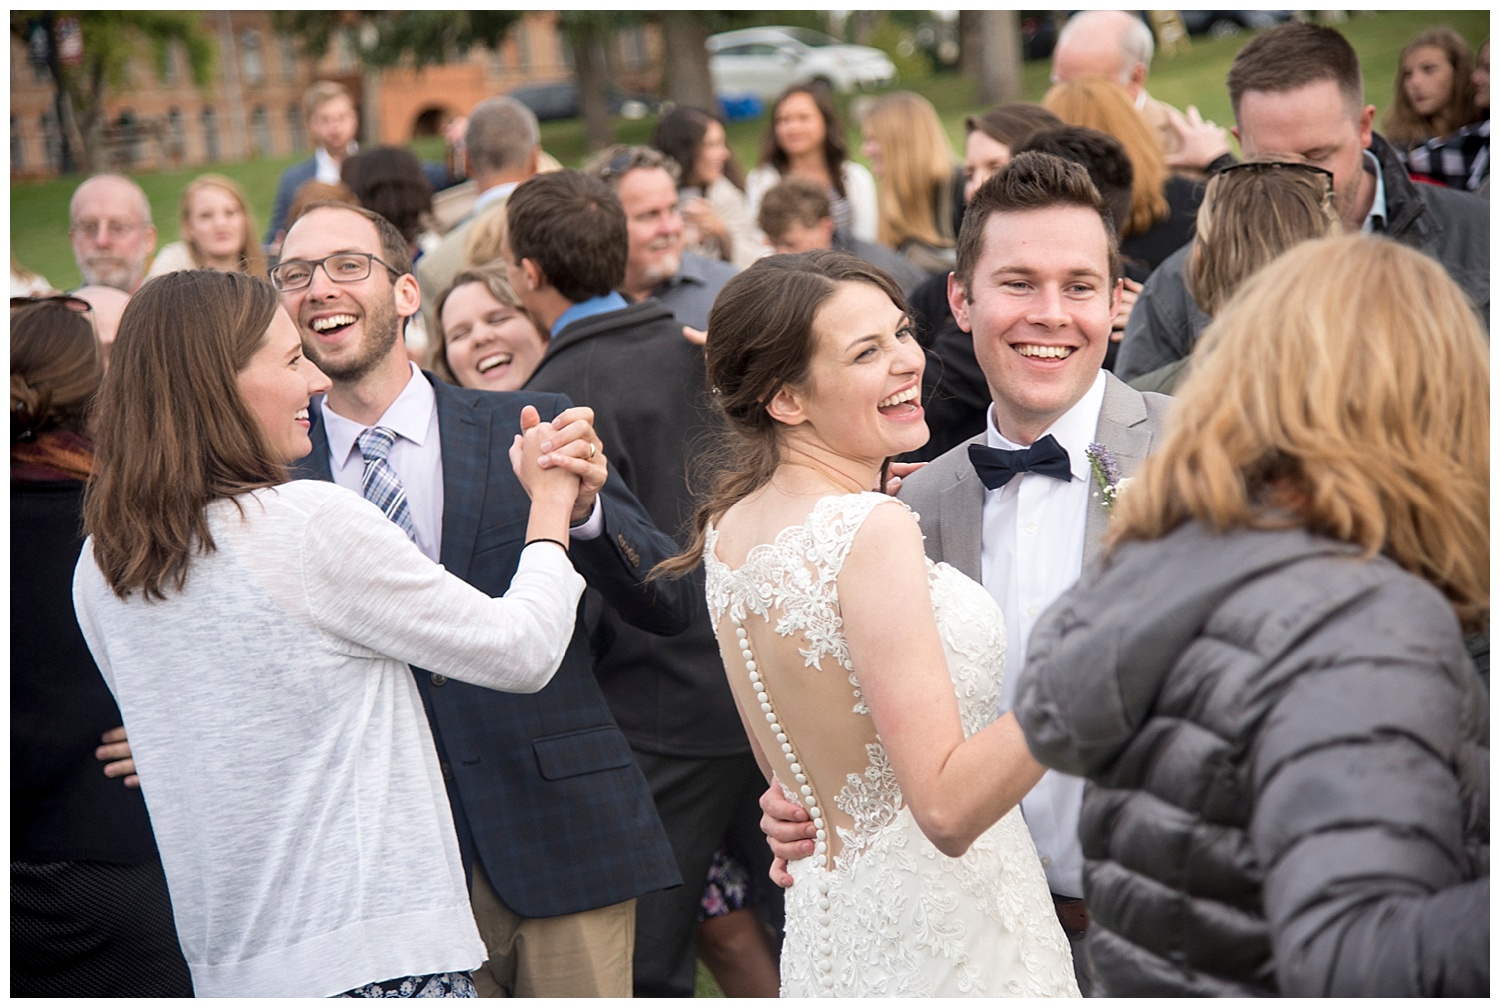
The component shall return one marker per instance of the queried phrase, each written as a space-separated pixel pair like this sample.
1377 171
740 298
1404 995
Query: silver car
766 61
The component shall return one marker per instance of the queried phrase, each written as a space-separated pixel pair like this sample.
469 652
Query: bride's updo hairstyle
760 338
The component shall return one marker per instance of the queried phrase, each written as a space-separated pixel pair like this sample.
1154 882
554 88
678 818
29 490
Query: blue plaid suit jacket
559 814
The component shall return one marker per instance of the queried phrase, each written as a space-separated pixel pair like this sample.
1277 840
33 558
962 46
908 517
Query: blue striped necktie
381 485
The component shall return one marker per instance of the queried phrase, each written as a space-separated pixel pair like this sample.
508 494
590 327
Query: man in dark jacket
1297 89
566 253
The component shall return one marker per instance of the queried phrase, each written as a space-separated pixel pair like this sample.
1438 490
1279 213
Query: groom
1019 508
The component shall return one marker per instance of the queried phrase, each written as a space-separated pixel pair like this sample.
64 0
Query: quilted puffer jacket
1287 751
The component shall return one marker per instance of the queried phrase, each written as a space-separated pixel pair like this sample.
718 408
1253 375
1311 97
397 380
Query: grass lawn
39 210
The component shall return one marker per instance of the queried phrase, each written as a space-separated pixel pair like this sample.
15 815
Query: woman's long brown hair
172 433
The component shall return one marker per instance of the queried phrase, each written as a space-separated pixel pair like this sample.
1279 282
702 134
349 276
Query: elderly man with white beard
109 220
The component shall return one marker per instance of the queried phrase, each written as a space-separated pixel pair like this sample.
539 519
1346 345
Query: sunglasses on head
77 304
1264 166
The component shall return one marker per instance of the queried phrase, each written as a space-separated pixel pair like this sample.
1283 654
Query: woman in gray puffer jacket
1265 683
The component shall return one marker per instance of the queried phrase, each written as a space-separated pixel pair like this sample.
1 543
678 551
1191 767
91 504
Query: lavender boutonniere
1106 473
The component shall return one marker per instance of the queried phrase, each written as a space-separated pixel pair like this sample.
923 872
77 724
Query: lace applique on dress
888 915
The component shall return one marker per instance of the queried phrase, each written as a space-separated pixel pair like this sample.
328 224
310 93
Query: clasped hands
545 453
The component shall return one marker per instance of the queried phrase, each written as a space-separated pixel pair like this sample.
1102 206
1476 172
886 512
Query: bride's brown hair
760 338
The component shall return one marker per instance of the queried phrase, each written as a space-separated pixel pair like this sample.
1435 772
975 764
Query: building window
39 46
176 139
17 147
211 134
260 129
288 58
348 51
51 141
633 41
250 58
171 65
294 126
127 139
523 47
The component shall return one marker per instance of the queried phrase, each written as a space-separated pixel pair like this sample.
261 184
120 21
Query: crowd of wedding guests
1209 431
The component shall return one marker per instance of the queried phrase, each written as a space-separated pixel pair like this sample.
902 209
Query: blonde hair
252 256
485 237
1248 217
915 194
1099 103
1344 389
321 92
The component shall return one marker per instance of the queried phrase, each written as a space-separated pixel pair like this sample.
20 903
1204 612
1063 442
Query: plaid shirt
1460 161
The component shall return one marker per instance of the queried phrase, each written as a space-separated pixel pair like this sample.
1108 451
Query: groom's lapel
961 518
1122 429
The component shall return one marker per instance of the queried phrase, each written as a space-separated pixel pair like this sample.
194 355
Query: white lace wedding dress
878 911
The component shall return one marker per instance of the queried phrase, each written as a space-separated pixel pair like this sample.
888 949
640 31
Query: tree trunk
970 43
684 38
1000 61
588 62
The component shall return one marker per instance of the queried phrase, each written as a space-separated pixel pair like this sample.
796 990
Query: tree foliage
110 39
388 38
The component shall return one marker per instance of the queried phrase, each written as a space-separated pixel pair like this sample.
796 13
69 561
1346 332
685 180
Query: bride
867 676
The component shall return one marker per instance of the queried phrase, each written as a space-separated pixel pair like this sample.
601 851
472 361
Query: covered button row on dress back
804 792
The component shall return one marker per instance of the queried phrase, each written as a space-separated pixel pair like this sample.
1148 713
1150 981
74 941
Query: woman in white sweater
256 634
806 140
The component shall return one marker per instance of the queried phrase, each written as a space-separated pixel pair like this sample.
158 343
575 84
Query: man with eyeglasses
1296 89
110 224
555 822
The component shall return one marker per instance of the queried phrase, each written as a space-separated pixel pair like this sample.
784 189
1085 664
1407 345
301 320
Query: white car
766 61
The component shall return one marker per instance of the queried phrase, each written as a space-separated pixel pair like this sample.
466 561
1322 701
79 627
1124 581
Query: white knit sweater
283 751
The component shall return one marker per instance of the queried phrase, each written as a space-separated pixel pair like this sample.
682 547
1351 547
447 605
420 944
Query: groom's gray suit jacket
949 499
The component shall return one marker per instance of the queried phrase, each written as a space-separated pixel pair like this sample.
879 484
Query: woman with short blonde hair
1266 681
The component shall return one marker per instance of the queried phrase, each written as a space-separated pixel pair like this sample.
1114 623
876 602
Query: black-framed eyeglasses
1263 166
77 304
345 267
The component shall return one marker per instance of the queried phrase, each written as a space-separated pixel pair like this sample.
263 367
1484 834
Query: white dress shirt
416 456
326 169
1031 551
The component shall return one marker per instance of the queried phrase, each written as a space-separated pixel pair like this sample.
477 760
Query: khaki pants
585 954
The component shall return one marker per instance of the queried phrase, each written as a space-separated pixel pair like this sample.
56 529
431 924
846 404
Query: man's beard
109 271
381 327
664 268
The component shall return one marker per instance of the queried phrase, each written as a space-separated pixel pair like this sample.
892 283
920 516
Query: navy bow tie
996 466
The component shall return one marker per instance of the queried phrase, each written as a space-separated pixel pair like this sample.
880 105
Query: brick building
252 108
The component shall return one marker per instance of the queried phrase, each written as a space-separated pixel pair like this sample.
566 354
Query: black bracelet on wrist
555 542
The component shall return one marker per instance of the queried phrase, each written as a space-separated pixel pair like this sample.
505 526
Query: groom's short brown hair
1032 181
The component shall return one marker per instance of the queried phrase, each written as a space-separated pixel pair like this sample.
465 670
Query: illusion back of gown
878 910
